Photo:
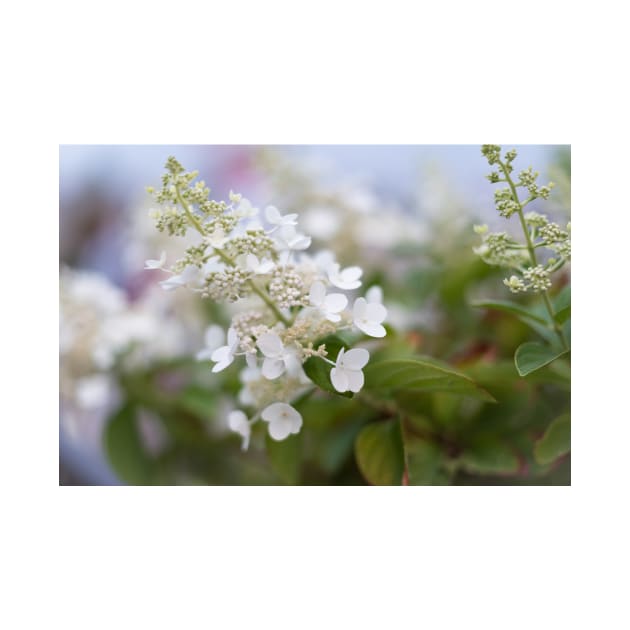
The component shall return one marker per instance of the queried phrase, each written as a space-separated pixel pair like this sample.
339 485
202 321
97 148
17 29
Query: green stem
532 255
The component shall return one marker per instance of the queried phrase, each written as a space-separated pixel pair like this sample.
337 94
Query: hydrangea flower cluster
291 299
500 249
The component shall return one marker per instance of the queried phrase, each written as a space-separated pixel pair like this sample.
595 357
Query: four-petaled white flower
283 420
277 357
155 264
347 374
330 305
367 317
290 239
224 355
189 276
258 266
238 422
346 279
213 338
273 216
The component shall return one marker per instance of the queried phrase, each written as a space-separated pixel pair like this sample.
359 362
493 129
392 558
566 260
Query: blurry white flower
93 392
238 422
213 338
330 305
347 278
322 222
277 357
273 216
283 420
189 276
374 295
368 317
292 240
245 209
258 266
224 355
347 374
155 264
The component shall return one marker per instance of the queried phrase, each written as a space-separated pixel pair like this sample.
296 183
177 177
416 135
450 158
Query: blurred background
404 213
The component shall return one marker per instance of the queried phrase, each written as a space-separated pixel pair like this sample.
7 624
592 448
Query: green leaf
489 458
562 305
513 308
286 457
319 371
555 442
531 356
394 375
423 458
379 453
124 449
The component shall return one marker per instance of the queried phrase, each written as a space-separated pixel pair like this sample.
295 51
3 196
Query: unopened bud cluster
502 250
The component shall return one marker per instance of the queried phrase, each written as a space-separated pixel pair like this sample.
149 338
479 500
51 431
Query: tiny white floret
367 317
283 420
155 264
347 374
330 305
224 355
273 216
346 279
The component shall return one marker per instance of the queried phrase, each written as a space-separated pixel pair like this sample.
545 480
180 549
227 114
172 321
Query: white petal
339 379
351 274
221 365
237 421
251 360
289 219
374 295
375 313
272 368
204 355
370 328
355 380
359 308
272 214
335 302
221 354
174 282
356 358
270 344
301 242
214 337
333 317
279 429
252 262
317 293
265 266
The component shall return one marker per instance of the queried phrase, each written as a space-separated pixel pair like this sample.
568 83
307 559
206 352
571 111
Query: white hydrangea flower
190 275
346 279
273 216
224 355
155 264
238 422
259 267
367 317
330 305
290 239
277 357
213 338
347 374
283 420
